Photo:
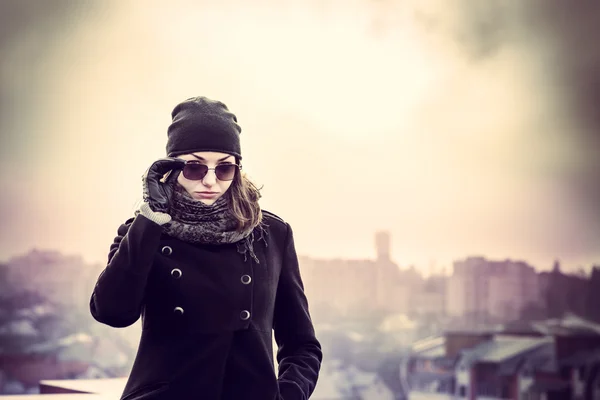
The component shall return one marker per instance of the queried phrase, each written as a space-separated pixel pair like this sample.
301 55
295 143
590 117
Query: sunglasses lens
225 172
194 171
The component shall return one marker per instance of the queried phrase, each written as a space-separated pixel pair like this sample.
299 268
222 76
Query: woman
210 274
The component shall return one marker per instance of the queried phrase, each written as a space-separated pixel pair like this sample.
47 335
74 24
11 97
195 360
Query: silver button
245 315
167 250
246 279
176 273
178 310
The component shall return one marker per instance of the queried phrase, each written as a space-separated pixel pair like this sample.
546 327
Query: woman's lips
205 195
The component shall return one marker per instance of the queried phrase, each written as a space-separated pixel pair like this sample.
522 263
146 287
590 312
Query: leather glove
158 194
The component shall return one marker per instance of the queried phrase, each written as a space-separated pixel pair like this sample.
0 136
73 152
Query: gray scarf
195 222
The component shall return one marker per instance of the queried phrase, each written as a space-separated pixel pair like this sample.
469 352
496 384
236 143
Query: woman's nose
210 178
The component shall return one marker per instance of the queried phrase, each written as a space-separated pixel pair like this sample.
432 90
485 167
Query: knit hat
202 124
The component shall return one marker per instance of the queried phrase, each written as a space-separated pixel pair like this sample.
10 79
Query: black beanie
202 124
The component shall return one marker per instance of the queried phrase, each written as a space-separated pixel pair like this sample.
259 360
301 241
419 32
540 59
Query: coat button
176 273
245 315
246 279
167 250
178 310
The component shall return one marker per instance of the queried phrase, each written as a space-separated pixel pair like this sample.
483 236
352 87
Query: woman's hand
156 193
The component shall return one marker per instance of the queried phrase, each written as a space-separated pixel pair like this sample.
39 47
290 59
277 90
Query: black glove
156 193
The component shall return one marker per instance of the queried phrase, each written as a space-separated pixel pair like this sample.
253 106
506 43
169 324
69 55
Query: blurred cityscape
476 125
493 329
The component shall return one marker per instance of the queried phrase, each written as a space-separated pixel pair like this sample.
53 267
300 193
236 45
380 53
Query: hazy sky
461 129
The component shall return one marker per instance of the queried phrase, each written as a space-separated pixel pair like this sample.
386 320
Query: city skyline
430 269
426 265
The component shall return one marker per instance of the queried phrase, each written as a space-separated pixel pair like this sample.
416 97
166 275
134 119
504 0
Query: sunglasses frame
193 162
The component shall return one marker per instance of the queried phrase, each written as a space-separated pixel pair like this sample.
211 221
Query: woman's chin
208 202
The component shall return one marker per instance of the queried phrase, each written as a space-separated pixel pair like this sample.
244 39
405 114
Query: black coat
208 315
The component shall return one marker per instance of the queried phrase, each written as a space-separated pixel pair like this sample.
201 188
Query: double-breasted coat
208 315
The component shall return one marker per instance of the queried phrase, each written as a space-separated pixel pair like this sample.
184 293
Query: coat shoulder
271 217
275 222
124 227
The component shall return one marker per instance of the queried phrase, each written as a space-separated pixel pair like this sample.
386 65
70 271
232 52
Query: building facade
499 289
367 285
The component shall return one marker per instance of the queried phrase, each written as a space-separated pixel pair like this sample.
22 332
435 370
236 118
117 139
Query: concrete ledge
57 397
112 387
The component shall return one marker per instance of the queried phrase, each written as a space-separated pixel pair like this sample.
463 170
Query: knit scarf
193 221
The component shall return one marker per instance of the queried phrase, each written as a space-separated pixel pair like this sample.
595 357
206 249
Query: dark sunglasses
194 171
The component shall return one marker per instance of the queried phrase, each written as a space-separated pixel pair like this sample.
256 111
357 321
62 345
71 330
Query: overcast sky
461 129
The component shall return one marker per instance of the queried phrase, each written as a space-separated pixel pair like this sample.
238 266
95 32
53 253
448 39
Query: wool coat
208 315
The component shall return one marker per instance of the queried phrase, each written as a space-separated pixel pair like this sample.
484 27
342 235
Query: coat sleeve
119 291
299 352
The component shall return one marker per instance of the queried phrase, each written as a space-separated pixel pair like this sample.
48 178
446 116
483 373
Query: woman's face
209 188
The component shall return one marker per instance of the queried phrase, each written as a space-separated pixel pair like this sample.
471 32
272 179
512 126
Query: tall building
500 289
467 287
365 285
383 242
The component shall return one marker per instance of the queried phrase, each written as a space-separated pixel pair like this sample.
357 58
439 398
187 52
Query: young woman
211 274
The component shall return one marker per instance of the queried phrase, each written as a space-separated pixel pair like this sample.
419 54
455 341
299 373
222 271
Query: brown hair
243 201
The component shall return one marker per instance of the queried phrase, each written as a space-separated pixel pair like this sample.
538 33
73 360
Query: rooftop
79 389
504 347
432 347
63 396
110 386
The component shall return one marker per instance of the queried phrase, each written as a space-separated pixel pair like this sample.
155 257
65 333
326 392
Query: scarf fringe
246 245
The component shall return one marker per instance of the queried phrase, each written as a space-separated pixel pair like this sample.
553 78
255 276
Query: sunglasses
194 171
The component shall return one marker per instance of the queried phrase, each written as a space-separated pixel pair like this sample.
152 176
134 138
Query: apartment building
500 289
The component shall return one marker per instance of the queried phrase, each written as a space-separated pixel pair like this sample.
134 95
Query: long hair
243 201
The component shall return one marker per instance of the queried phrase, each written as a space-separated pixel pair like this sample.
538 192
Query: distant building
500 289
61 279
431 299
362 286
